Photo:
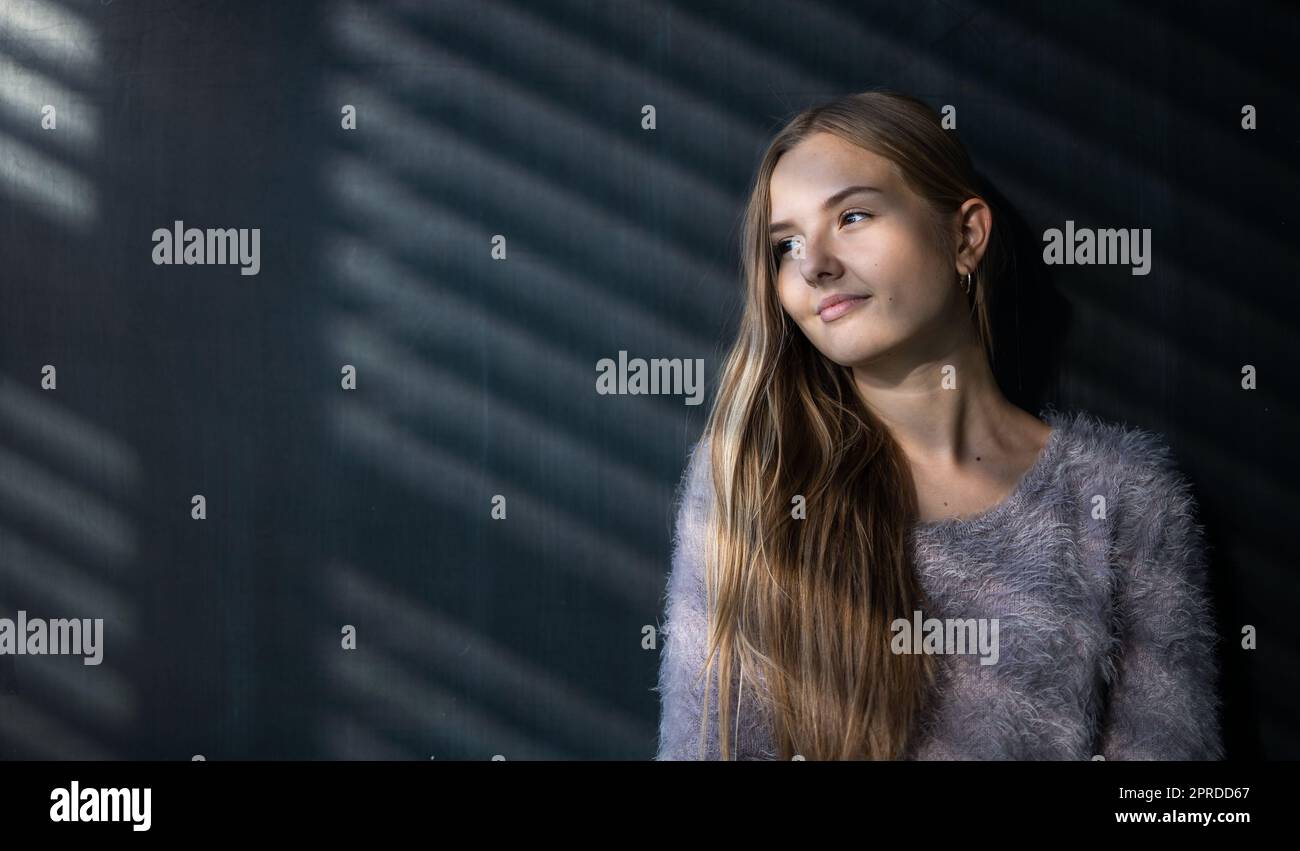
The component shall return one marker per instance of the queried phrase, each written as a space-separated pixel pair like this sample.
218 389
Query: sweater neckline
1037 471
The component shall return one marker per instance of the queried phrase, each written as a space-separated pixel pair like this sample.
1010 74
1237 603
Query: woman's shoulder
1116 447
1136 469
692 501
696 477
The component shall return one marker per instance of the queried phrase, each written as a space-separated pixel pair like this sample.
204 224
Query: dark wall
370 507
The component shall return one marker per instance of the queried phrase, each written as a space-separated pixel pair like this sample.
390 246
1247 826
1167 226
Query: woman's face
877 247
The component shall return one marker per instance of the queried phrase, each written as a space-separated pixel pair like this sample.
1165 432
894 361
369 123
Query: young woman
864 498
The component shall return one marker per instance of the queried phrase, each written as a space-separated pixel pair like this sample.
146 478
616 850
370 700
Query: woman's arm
686 625
1163 696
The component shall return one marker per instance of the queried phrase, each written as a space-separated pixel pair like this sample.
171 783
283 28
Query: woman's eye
780 247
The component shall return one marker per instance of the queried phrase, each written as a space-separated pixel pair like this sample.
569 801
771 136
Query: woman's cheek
789 295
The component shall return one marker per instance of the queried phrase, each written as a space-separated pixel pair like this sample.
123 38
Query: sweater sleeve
685 627
686 635
1163 684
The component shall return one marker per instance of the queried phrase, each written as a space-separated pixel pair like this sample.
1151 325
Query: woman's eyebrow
830 202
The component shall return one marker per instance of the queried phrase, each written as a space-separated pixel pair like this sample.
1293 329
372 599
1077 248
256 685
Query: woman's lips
835 311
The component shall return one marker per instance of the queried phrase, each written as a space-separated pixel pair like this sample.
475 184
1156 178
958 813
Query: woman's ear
975 224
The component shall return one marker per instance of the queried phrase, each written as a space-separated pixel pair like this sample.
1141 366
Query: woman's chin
852 357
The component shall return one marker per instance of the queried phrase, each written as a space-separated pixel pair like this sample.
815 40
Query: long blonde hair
804 606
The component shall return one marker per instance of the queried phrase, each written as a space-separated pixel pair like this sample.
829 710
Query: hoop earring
967 283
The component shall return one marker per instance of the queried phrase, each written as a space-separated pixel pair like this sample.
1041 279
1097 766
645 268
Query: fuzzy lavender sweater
1106 638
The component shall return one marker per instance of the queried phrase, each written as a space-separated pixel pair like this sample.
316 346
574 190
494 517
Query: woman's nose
818 265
